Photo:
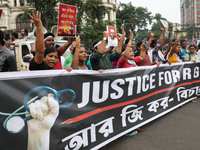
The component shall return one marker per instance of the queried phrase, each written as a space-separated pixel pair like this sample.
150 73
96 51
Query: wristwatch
105 38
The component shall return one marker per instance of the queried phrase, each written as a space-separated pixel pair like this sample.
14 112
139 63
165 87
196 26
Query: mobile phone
145 43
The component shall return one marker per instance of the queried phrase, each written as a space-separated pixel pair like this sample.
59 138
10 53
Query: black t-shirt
34 66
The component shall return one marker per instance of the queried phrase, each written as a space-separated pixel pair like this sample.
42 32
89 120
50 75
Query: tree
190 32
128 14
95 25
158 16
141 34
156 25
47 8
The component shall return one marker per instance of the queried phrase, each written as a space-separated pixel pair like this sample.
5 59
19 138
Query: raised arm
8 43
170 45
76 54
161 36
127 54
67 44
151 38
39 42
120 38
103 43
174 47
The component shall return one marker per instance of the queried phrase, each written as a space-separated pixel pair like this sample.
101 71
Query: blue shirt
70 64
183 53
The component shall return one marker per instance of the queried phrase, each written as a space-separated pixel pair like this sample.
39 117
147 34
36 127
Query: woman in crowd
174 54
191 56
79 57
128 59
44 58
146 61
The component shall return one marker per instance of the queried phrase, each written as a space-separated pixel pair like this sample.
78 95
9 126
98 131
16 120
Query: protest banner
0 13
97 107
67 20
112 37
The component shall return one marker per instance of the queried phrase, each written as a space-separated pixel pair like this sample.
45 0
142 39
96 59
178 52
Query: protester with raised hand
174 54
128 59
79 57
146 61
44 58
49 42
155 53
101 60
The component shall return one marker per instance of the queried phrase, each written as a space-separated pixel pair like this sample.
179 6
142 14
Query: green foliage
190 30
47 8
95 10
158 17
25 16
92 31
156 25
128 14
156 29
141 34
95 25
92 11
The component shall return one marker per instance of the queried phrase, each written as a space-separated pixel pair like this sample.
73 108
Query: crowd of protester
47 55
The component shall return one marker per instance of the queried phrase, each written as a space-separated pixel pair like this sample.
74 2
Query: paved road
178 130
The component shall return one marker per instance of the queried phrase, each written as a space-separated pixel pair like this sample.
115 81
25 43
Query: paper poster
166 26
112 37
66 21
0 13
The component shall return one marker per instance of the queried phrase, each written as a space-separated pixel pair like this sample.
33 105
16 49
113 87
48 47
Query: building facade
190 16
13 10
190 13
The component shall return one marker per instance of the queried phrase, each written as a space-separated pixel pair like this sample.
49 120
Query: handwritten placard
67 19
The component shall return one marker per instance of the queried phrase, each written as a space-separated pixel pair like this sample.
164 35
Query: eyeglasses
192 48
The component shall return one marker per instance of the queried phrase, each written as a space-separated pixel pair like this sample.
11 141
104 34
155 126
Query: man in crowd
7 60
49 42
100 59
24 34
184 49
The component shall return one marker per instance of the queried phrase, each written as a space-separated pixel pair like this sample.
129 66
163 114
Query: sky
169 9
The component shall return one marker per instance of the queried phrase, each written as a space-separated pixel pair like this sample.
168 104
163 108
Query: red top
59 65
122 63
146 61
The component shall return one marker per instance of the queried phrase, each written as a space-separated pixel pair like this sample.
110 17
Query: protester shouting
128 59
44 58
79 57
